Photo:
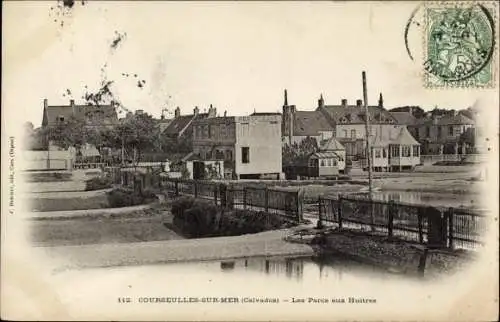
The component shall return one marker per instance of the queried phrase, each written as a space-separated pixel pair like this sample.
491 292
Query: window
405 151
377 153
416 151
345 133
223 130
311 162
245 155
395 150
450 130
334 162
384 153
329 162
60 118
322 163
428 130
353 134
440 130
229 155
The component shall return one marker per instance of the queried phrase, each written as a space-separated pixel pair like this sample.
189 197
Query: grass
140 226
60 204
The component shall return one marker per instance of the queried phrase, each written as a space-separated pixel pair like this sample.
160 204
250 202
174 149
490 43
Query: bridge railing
436 227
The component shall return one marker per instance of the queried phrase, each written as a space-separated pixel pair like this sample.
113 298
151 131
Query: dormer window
343 120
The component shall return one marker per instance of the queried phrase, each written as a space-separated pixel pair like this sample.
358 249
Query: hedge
197 218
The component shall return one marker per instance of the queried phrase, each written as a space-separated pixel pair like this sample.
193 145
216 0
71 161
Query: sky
237 56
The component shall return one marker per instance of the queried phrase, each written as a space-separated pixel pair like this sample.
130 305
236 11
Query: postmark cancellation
459 44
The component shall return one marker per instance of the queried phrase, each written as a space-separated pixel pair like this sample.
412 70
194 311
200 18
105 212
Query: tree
72 132
298 153
416 111
138 133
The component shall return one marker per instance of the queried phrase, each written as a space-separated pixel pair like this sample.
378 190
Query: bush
98 183
48 177
198 218
180 205
149 195
125 198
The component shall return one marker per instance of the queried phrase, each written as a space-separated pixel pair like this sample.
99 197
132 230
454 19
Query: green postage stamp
459 44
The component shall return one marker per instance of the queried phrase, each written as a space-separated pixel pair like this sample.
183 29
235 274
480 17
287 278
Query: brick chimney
196 110
45 103
212 111
343 102
177 112
359 103
225 113
321 101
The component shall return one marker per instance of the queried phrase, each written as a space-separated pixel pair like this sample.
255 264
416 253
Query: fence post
320 214
244 197
176 188
390 223
420 224
339 211
450 228
223 195
215 194
266 200
300 200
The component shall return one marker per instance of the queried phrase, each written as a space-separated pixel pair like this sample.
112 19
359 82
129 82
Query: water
292 288
429 198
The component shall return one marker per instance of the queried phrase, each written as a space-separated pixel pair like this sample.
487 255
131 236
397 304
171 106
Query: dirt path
269 243
85 213
67 194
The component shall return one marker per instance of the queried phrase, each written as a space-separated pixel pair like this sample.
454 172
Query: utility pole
123 150
368 149
48 148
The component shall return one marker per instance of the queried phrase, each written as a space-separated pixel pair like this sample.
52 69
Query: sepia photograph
250 161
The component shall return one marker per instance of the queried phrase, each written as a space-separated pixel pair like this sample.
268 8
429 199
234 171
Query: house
349 124
407 118
249 145
93 115
298 125
396 153
181 125
203 169
328 161
441 134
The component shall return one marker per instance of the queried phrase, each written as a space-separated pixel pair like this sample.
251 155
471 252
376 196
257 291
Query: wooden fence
283 203
435 227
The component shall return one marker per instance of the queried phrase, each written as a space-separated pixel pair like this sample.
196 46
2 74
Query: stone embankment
393 255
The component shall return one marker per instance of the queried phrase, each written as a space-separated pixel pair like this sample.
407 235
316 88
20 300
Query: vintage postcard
250 161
